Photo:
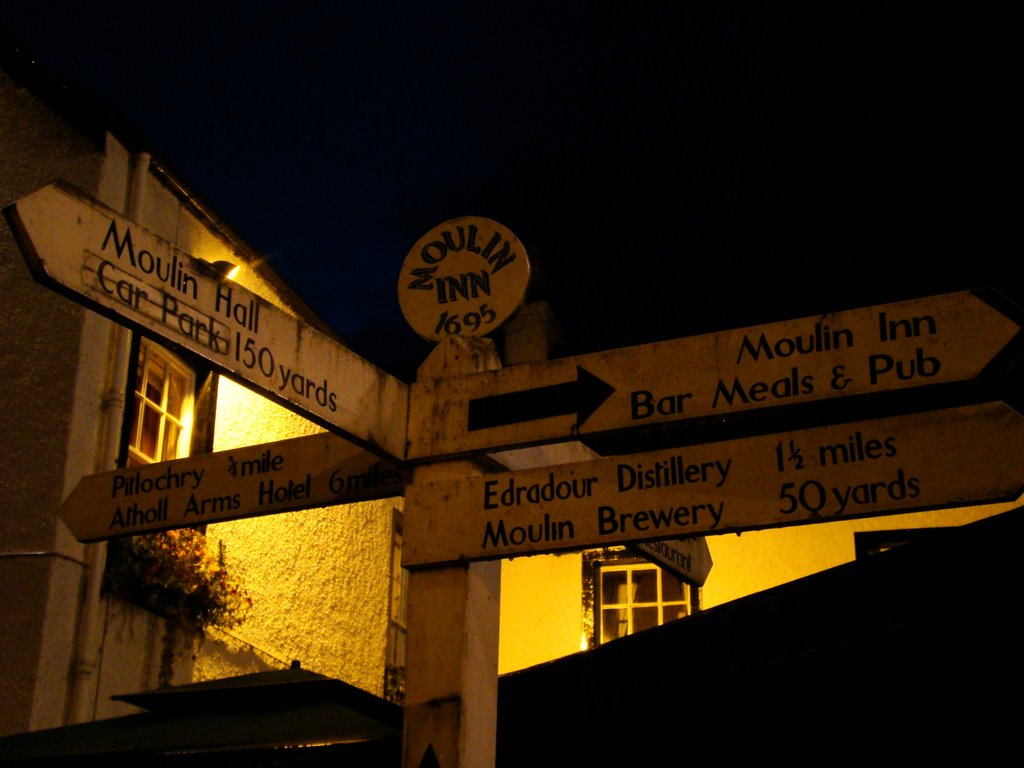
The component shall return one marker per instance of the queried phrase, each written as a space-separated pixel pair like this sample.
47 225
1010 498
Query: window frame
202 392
396 645
611 559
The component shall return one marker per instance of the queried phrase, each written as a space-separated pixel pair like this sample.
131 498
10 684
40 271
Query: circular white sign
465 277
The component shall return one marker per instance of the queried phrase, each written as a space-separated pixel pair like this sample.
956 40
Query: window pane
631 596
150 431
171 433
672 588
645 618
140 371
155 381
133 435
614 623
613 587
645 586
161 413
175 394
673 612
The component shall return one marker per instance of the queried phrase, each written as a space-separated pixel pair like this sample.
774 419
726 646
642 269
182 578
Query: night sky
672 168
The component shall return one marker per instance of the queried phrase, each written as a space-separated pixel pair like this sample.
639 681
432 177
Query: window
160 423
170 573
630 594
394 666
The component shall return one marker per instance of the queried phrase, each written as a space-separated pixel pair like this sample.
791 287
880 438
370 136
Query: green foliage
173 574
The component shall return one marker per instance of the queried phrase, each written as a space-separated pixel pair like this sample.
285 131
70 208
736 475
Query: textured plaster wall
40 569
132 643
319 585
541 609
319 579
42 330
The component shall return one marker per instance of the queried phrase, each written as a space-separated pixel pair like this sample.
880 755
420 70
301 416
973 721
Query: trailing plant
173 574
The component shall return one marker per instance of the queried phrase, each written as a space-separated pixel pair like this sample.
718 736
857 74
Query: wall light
226 269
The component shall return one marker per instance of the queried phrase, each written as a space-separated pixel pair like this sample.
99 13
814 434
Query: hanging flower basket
173 574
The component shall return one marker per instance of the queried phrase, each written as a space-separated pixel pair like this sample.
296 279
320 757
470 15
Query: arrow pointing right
581 397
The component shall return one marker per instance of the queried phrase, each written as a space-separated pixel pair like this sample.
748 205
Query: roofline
96 118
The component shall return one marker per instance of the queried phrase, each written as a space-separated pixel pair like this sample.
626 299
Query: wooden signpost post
462 280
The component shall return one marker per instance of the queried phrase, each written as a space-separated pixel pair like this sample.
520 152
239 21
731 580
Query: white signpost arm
949 339
968 455
113 265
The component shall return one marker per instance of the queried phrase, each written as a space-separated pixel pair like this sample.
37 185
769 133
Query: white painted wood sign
111 264
930 460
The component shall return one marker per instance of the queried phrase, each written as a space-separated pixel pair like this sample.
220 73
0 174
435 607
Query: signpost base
451 704
451 693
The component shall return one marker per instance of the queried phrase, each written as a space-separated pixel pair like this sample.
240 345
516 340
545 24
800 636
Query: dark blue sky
672 168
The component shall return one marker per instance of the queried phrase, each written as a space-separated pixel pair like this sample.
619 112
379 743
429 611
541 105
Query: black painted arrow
581 397
429 759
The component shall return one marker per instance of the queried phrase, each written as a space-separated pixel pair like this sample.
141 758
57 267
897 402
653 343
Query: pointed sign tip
592 391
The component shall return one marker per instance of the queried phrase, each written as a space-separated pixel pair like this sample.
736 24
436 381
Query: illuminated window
629 594
159 426
394 667
160 423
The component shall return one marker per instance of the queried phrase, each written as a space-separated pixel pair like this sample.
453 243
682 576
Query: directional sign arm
934 459
298 473
951 340
80 247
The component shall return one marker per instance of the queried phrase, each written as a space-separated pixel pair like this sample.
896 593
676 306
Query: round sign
465 277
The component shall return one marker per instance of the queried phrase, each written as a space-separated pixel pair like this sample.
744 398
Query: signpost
925 342
79 246
464 279
300 473
928 460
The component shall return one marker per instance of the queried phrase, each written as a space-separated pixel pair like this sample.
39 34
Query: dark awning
274 712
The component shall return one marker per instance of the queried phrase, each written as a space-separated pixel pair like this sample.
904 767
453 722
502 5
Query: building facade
88 395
